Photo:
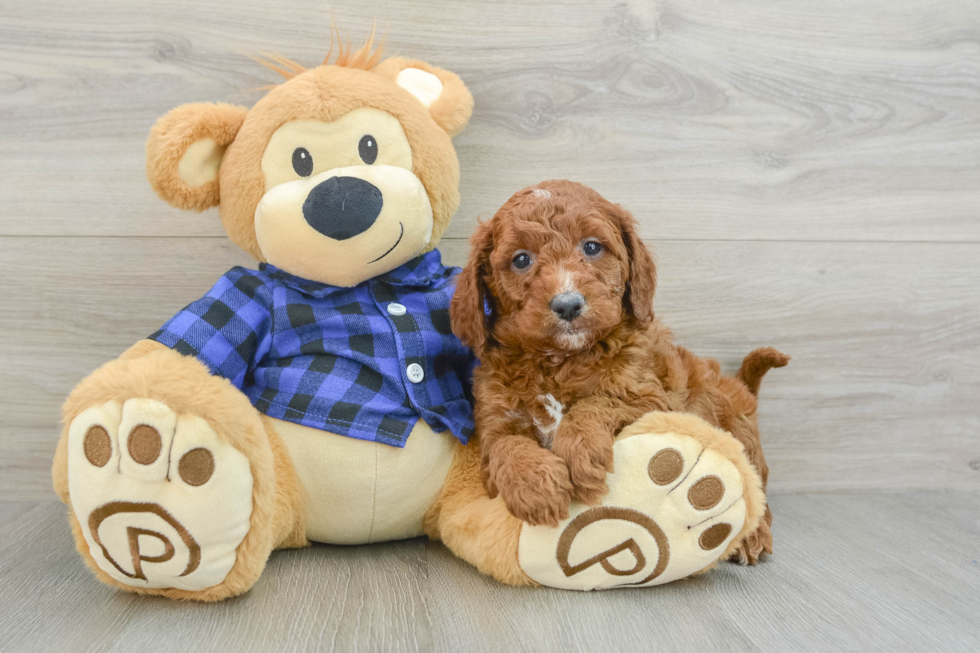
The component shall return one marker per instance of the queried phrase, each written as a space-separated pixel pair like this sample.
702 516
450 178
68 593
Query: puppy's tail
757 363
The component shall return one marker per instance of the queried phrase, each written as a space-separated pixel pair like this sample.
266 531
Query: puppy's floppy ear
184 152
467 312
443 93
642 282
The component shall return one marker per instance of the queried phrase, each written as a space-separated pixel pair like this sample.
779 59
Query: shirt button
415 373
394 308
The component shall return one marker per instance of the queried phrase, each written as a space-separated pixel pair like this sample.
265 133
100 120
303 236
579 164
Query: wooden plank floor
868 572
808 174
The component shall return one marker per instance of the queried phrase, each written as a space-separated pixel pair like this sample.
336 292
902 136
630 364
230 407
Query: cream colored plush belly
358 491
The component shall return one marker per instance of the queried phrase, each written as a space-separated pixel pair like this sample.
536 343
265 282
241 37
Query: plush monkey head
341 173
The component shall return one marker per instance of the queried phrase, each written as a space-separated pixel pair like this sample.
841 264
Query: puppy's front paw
588 460
540 500
755 544
534 485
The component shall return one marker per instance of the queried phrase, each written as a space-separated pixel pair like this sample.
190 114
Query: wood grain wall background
807 173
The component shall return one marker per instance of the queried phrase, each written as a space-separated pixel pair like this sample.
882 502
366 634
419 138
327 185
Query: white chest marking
555 410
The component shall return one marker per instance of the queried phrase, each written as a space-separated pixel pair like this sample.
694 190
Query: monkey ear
184 152
642 283
467 311
441 92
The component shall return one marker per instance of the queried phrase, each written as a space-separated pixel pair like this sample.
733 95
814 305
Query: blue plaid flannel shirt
336 358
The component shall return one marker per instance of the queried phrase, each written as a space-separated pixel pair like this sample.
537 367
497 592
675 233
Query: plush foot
675 505
162 502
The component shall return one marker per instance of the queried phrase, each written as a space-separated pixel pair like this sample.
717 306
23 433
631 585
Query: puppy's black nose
568 305
342 207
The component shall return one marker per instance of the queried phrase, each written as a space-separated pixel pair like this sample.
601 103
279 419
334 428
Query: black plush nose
342 207
568 305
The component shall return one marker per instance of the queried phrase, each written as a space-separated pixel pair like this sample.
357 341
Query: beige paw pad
162 501
673 506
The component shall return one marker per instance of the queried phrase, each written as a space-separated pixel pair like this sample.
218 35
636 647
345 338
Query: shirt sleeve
229 329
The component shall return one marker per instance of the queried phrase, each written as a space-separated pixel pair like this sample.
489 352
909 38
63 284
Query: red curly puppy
557 302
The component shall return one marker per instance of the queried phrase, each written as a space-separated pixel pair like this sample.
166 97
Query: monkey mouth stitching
400 234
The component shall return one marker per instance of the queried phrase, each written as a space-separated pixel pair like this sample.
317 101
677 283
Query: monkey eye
368 149
521 260
592 248
302 162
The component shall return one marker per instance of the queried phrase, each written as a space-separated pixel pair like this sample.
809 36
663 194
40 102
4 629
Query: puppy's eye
521 261
368 149
302 162
592 248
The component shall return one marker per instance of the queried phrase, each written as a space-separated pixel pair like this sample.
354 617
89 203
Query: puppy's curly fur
552 392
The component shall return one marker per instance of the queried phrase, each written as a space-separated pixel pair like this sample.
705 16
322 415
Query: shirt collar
421 271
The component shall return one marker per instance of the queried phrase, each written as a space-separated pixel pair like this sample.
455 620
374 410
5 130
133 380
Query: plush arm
229 329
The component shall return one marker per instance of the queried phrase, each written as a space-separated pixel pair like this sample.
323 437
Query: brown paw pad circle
666 466
144 444
196 466
706 493
714 536
97 446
